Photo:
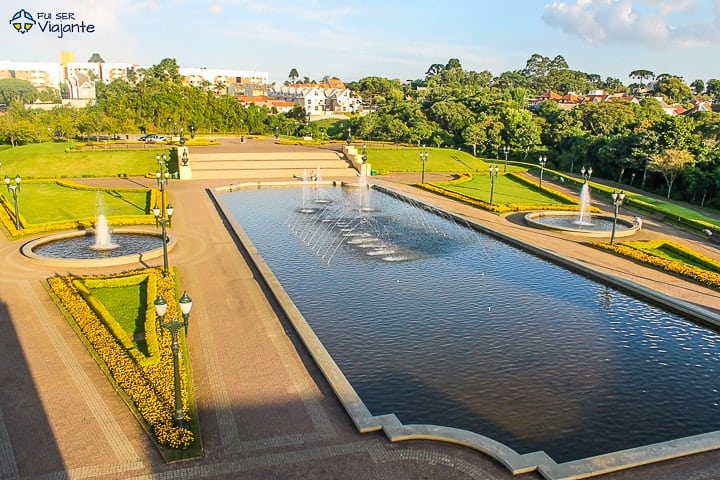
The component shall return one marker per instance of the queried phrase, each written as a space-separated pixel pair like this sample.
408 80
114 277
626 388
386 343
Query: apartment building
318 99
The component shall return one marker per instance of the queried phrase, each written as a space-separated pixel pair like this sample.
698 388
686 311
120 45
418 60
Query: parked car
153 138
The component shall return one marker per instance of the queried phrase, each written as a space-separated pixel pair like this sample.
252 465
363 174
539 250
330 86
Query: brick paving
265 409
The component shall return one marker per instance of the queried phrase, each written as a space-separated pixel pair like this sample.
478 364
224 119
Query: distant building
80 77
230 80
318 99
571 99
40 74
265 101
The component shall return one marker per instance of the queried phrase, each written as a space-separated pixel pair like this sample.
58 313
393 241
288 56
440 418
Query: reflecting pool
443 325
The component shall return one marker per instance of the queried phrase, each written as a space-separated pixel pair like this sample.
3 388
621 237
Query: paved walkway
265 410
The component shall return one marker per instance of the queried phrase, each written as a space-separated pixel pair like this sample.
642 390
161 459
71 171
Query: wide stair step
266 165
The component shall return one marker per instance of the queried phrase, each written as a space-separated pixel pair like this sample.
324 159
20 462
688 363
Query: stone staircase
269 165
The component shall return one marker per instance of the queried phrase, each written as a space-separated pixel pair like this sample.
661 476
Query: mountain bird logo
22 21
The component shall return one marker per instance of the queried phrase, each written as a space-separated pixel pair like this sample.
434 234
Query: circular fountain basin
567 222
76 249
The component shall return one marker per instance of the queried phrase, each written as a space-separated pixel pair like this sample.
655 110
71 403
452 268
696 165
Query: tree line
632 143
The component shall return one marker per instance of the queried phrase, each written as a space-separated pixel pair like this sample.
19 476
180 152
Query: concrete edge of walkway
513 461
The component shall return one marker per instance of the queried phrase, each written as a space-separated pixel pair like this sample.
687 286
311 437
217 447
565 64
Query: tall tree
642 75
520 130
670 163
453 63
673 89
434 69
293 75
713 88
698 86
167 71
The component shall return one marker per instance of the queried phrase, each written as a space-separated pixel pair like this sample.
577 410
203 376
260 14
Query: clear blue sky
399 39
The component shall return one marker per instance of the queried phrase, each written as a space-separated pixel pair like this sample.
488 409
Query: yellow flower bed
700 275
150 387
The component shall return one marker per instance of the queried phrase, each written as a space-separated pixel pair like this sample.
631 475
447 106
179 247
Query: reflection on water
471 333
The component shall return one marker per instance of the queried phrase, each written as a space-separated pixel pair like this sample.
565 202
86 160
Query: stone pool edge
27 250
395 431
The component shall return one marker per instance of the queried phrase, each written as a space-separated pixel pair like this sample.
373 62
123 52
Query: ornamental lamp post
185 158
164 220
617 199
423 161
174 326
349 136
364 154
586 173
493 173
162 175
506 150
542 160
15 189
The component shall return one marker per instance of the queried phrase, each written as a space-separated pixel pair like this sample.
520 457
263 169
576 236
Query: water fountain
318 191
96 247
584 216
477 342
306 195
583 223
364 194
103 235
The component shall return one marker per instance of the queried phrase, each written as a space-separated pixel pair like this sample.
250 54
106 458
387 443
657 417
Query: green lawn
127 306
50 160
42 202
407 159
666 251
506 191
671 209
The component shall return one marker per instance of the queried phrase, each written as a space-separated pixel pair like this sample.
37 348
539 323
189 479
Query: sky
396 39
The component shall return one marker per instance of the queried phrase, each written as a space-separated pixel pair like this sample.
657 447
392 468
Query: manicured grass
671 252
51 160
407 159
506 191
671 209
127 306
41 202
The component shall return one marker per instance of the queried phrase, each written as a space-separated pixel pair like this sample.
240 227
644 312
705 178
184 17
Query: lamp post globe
423 160
14 188
493 173
542 160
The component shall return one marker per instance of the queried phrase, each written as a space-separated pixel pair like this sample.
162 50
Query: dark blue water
82 247
443 325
